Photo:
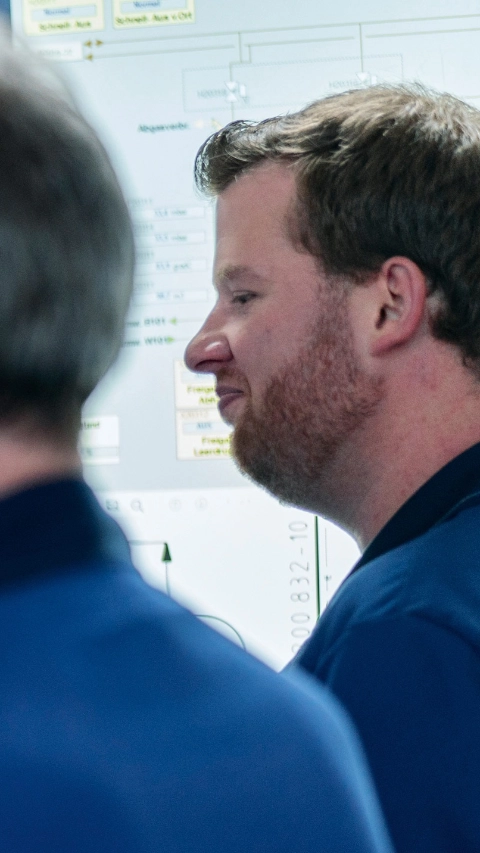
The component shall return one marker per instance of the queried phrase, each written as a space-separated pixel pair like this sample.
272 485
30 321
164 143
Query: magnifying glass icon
136 506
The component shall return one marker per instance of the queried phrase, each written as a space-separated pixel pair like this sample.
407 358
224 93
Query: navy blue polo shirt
129 726
399 644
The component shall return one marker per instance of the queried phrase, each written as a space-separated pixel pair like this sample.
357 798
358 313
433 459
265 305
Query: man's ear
397 300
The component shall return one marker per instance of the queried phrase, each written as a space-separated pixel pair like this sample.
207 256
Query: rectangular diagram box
200 431
62 52
100 440
52 17
152 13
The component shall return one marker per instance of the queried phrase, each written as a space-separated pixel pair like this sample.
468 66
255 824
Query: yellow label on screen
52 17
152 13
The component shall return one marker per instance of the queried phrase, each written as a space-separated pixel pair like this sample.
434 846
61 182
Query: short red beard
308 412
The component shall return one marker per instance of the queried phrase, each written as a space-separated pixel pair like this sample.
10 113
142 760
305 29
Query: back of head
382 171
66 251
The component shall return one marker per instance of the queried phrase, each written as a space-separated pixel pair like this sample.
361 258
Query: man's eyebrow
236 273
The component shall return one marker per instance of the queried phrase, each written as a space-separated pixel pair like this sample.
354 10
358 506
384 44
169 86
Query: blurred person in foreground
346 346
126 725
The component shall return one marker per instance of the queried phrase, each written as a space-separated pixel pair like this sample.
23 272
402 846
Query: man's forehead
258 207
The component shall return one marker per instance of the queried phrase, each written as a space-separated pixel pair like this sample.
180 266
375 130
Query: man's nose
207 351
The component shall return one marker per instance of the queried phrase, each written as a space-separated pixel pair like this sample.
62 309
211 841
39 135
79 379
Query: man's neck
417 431
28 462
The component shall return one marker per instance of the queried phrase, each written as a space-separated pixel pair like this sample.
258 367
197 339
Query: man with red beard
345 341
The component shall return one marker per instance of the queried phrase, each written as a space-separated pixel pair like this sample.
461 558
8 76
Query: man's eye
242 298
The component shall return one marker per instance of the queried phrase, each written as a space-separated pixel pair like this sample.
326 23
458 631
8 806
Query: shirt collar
459 479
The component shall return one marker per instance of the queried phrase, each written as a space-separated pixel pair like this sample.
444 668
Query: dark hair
66 250
381 171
